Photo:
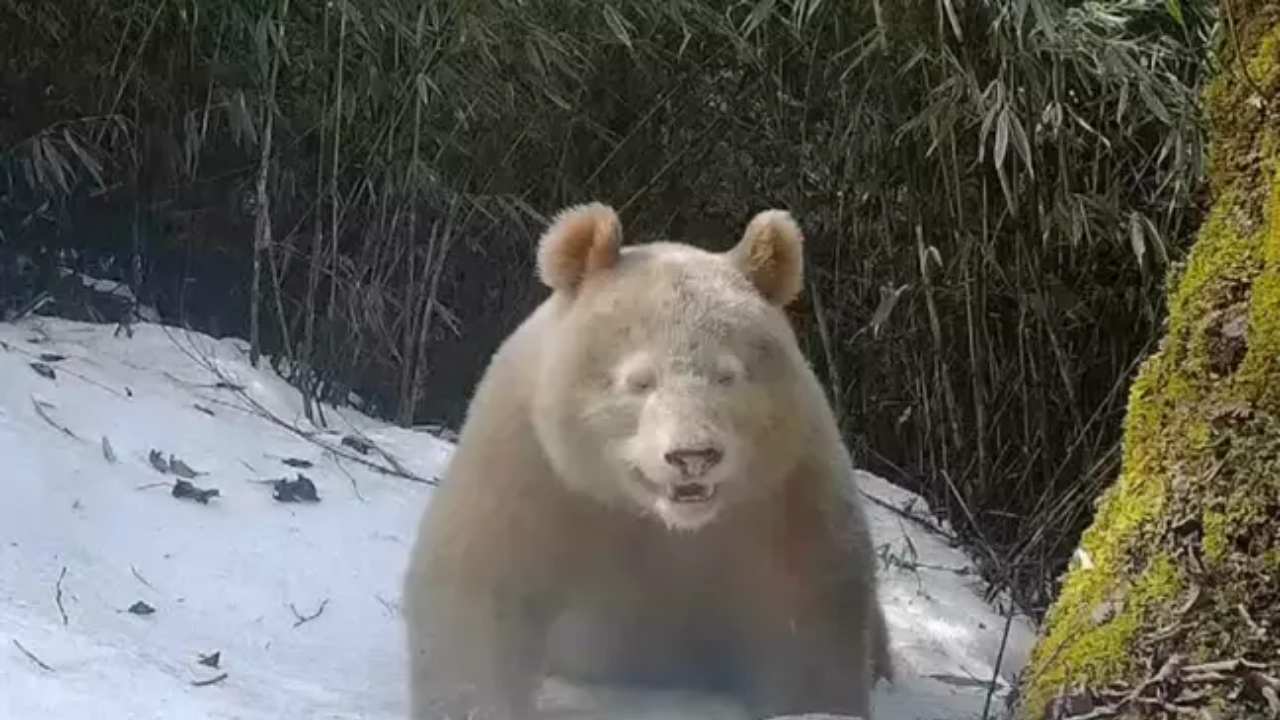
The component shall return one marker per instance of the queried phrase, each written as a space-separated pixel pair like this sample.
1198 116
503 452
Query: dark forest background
993 192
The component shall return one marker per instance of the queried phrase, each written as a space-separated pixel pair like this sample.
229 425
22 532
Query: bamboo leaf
59 170
759 14
1135 237
953 19
1021 143
1002 140
1155 240
617 25
90 164
1153 103
889 297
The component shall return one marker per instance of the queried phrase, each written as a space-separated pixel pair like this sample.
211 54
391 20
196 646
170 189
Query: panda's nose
694 462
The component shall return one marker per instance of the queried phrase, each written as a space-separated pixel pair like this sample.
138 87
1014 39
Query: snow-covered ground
112 590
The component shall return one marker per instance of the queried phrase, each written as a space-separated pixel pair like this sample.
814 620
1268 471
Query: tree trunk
1182 562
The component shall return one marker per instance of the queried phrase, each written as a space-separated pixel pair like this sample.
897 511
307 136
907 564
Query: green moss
1217 525
1224 519
1271 559
1095 624
1262 63
1201 448
1262 364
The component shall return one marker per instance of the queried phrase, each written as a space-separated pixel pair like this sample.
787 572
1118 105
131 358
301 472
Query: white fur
554 541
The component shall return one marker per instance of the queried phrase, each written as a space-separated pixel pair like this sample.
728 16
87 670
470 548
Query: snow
300 599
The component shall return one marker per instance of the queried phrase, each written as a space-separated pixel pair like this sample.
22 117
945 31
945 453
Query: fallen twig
304 619
1254 627
390 606
921 520
396 469
1193 685
222 384
392 460
1272 698
141 579
1223 666
32 656
960 680
39 301
80 376
355 486
57 595
44 415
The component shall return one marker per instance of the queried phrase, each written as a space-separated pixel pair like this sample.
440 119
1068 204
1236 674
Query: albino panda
649 488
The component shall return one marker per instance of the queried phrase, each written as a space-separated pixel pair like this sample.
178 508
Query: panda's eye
727 372
636 375
638 382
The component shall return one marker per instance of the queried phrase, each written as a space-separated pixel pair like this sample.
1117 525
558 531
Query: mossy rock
1183 557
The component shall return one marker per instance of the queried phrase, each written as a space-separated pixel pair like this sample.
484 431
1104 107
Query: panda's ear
771 255
581 240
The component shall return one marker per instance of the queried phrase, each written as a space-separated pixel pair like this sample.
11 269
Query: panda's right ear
582 239
771 255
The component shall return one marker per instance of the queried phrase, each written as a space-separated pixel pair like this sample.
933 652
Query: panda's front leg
801 664
476 655
808 635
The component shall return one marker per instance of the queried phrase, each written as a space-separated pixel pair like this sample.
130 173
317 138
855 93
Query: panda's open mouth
680 493
690 492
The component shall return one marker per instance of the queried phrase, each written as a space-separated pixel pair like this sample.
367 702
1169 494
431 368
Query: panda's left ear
582 239
771 255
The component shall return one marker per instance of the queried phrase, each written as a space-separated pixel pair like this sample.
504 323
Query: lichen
1195 508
